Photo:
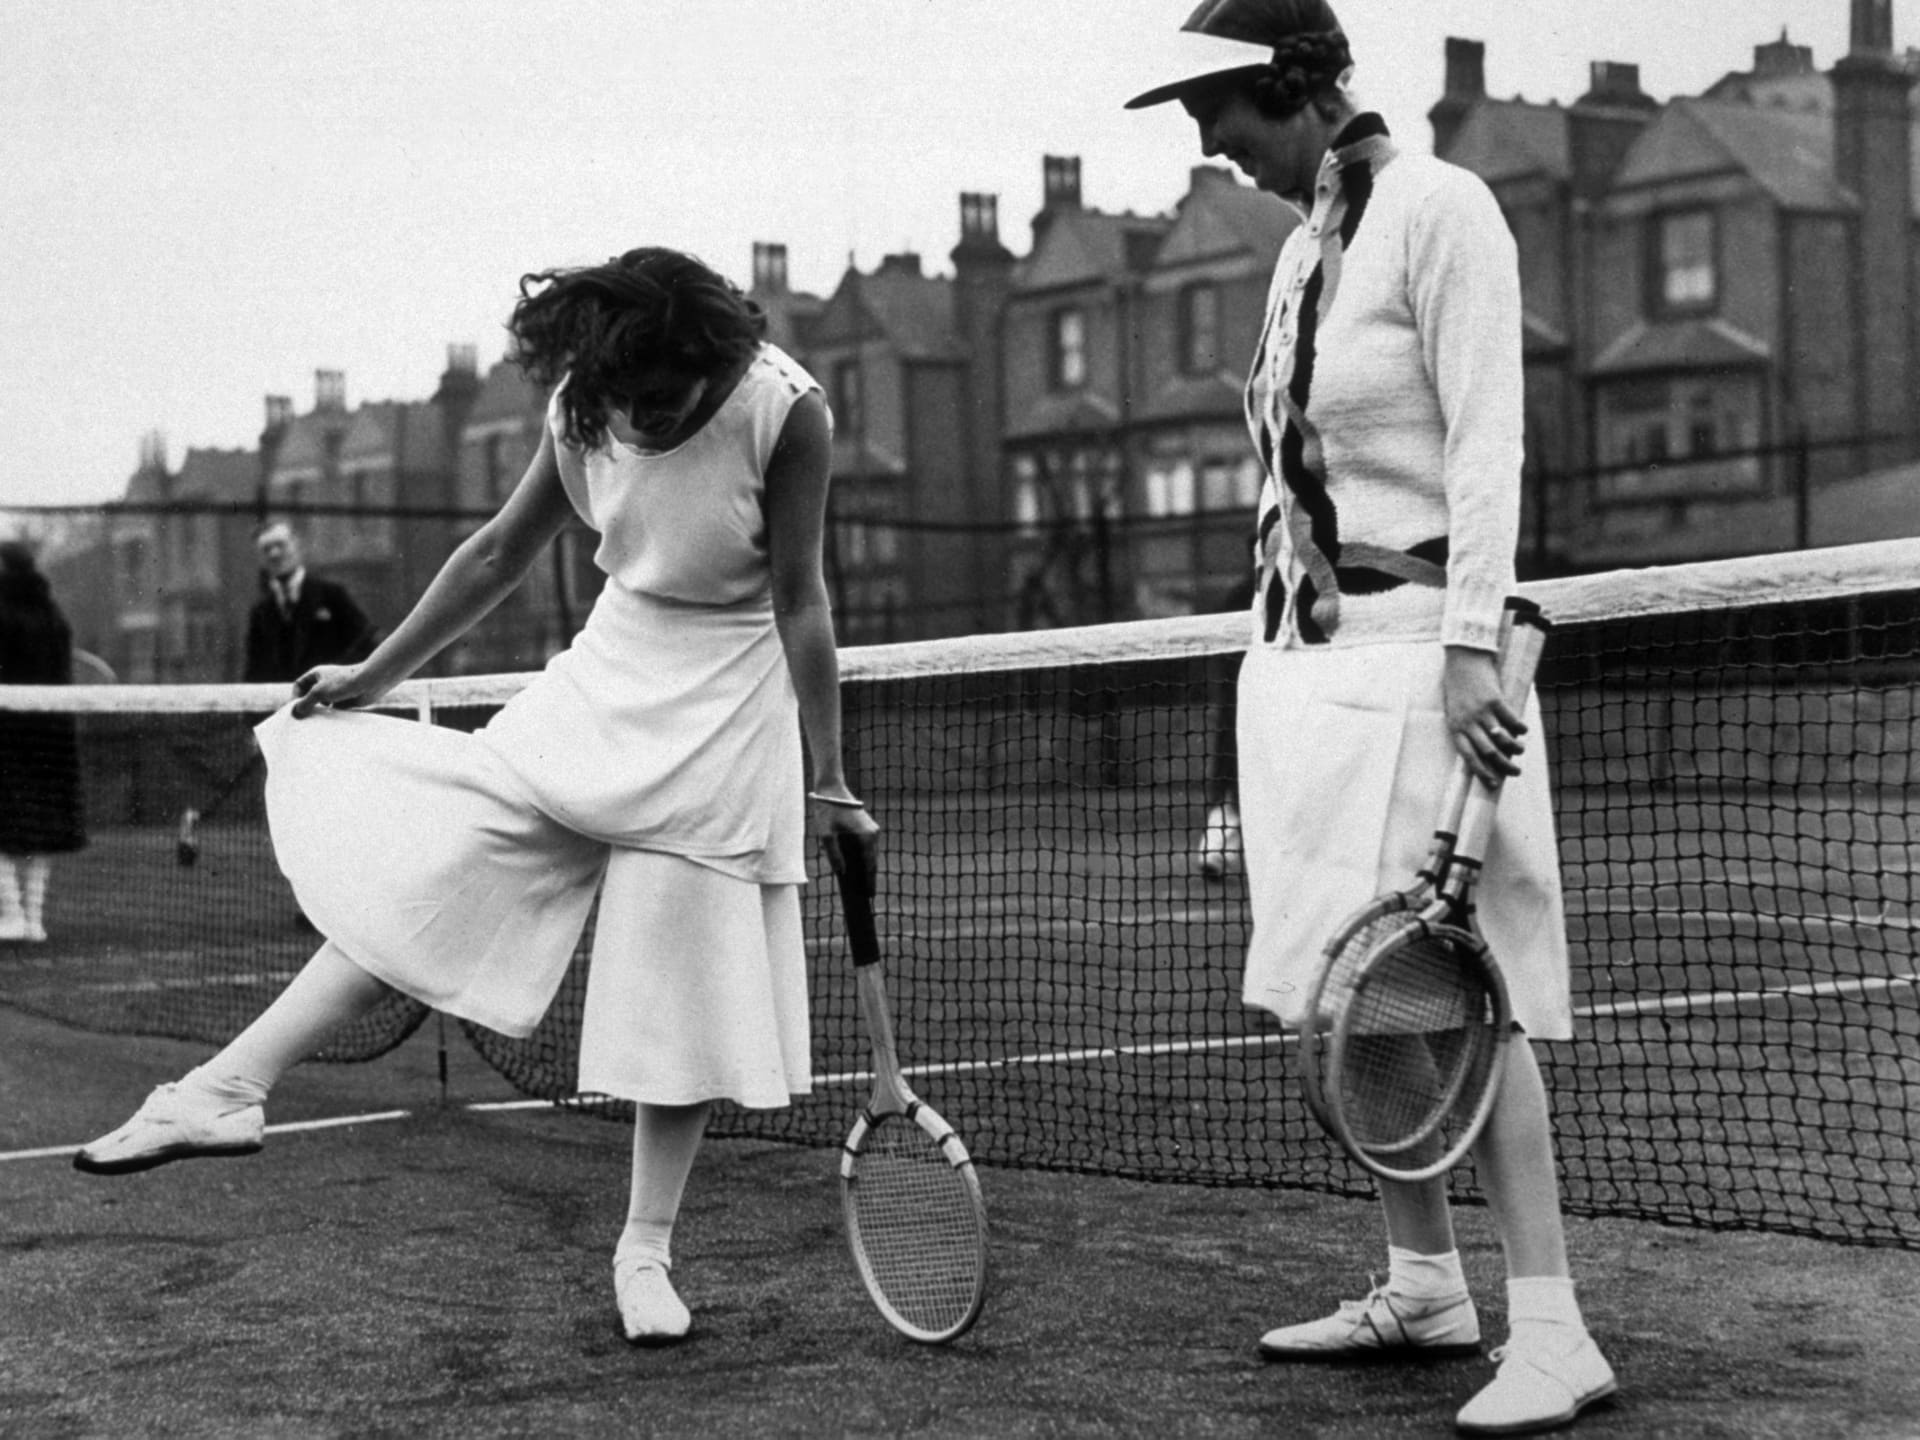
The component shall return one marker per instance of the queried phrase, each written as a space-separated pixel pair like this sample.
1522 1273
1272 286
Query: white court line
290 1128
1703 1000
1712 998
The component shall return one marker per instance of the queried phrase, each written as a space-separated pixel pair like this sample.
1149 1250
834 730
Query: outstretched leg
216 1109
666 1139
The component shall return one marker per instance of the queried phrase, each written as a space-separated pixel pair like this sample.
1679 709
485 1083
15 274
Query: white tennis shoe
177 1122
1545 1380
650 1312
1383 1326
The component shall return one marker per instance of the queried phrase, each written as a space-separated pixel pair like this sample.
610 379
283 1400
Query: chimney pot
1872 28
1061 177
769 267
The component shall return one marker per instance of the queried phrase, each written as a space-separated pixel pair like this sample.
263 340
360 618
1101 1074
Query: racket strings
1422 1037
916 1226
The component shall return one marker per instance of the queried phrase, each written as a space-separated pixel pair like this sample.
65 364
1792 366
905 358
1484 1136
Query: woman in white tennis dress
656 762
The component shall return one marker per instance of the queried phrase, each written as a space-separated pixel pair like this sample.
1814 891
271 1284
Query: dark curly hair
1304 68
599 325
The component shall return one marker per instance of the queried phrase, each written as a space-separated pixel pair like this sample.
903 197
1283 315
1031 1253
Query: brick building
1708 283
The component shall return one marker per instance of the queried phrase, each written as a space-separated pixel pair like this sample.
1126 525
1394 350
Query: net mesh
1731 749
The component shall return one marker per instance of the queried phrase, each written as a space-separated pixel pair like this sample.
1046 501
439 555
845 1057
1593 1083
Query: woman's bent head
635 334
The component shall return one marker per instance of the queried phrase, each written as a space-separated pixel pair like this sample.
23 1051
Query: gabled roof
912 312
218 475
1221 217
1513 140
1081 246
1710 344
1787 154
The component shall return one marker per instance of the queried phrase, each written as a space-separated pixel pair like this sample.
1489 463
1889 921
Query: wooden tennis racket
916 1222
1419 1027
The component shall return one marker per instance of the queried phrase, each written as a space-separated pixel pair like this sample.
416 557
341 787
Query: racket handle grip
856 904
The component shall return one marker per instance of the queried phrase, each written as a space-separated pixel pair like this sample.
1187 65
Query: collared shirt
287 590
1385 401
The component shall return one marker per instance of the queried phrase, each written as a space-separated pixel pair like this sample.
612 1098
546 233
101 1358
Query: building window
1200 329
1067 361
850 397
1026 494
1686 277
1169 487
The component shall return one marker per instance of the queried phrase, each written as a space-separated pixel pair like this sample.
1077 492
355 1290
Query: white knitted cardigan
1386 404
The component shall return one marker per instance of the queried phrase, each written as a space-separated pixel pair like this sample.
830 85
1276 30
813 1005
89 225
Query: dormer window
1067 357
1686 274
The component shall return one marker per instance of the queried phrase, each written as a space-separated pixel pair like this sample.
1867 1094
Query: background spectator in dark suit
301 619
40 811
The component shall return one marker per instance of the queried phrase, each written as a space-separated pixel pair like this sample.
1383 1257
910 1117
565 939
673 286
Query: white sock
666 1138
1536 1302
1425 1277
235 1092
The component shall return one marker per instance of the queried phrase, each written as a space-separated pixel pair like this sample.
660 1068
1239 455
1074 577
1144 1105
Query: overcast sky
201 203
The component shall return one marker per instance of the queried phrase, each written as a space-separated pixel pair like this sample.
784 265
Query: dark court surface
447 1274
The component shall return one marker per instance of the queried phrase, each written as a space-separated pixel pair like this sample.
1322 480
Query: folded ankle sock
645 1240
235 1091
1425 1277
1543 1306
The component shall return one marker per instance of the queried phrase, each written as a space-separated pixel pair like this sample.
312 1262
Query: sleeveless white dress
657 760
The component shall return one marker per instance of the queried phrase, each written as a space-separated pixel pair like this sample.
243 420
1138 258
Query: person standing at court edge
657 762
301 619
41 811
1385 403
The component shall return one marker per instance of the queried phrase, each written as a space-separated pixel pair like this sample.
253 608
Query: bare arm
796 504
486 567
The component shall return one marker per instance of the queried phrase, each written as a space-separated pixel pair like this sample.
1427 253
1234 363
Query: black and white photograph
960 718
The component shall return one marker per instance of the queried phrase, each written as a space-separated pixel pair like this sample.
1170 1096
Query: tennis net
1732 754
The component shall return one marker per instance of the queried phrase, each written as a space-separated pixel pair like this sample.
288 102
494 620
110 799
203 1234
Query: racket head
916 1221
1332 991
1416 1056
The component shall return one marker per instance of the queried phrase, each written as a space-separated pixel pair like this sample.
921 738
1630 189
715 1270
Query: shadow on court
447 1274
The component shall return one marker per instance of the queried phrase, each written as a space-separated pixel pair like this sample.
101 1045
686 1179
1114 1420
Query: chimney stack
1873 158
1466 87
279 413
1603 124
330 390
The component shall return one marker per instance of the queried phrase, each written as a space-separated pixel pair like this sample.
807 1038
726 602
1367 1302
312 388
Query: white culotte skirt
1344 754
657 763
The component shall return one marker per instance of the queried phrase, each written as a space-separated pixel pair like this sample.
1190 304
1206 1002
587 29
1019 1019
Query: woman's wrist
845 800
